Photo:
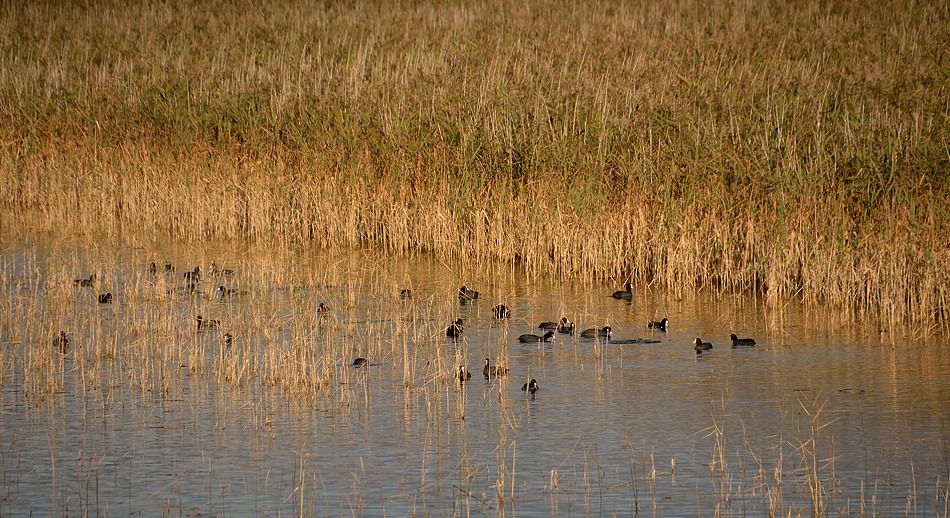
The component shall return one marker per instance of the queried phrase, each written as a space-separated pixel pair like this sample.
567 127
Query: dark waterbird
322 308
531 386
463 374
193 275
741 342
88 281
556 326
660 326
529 338
493 371
220 272
501 311
405 294
207 324
467 295
61 343
701 346
603 332
228 340
105 298
455 329
624 294
360 362
227 293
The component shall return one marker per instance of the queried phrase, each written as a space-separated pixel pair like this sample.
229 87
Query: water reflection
146 414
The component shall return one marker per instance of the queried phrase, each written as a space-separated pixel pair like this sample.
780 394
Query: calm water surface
819 416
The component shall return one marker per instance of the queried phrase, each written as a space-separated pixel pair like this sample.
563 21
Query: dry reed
790 150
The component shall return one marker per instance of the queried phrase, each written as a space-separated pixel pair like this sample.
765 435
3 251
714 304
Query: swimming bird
207 324
105 298
226 293
405 294
467 295
701 346
61 343
322 308
603 332
89 281
661 325
501 311
223 272
463 374
152 268
528 338
360 362
531 386
741 342
455 329
492 370
228 340
193 275
624 294
557 326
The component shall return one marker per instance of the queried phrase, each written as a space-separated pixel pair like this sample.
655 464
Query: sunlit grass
789 150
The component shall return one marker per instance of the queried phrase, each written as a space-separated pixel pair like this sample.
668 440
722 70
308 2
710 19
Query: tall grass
789 149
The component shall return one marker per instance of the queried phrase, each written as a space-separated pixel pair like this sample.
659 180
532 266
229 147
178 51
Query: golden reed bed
791 149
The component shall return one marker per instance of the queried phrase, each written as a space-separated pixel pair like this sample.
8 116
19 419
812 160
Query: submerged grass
791 150
145 350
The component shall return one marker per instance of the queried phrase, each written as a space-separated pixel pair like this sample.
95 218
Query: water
820 415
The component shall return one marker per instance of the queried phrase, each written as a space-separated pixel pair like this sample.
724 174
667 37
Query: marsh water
144 414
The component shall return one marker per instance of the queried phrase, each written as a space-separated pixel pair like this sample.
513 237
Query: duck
660 326
207 324
557 326
153 268
463 374
467 295
233 292
455 329
222 272
603 332
405 294
88 281
193 275
492 370
105 298
228 340
528 338
563 326
624 294
531 386
322 308
501 311
741 342
61 343
701 346
360 362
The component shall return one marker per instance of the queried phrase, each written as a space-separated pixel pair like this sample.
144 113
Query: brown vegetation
789 149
